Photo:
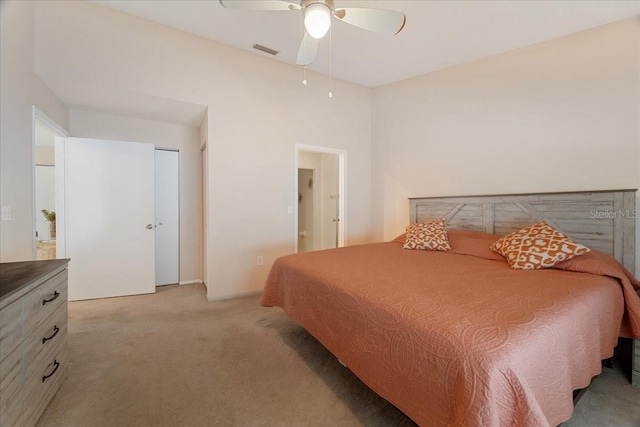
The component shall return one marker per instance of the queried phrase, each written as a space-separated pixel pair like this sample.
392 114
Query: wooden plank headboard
601 220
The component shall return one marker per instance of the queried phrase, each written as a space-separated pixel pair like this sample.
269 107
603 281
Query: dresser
33 338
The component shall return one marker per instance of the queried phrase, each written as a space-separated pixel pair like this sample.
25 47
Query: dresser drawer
41 345
11 372
10 328
43 384
11 388
11 410
41 302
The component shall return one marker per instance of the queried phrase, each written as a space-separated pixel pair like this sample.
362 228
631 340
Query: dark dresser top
15 275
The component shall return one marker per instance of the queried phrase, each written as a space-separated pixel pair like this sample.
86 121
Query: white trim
190 282
342 188
61 197
34 239
38 115
204 152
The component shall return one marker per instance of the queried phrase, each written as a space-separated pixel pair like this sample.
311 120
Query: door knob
149 226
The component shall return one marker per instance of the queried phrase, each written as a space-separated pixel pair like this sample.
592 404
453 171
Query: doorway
45 226
121 216
320 198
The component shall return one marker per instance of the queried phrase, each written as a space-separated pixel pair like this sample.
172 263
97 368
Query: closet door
110 218
167 218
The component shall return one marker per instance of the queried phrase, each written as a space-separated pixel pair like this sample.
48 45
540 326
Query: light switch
289 209
6 213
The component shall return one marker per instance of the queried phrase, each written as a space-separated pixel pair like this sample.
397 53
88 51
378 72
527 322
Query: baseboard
190 282
232 296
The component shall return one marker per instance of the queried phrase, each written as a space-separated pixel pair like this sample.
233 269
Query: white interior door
330 196
109 218
167 218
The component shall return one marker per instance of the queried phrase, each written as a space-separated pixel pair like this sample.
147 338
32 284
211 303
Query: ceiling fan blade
376 20
269 5
308 50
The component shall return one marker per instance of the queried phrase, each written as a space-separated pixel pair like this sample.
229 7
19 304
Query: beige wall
20 88
556 116
309 160
257 111
45 138
91 124
45 155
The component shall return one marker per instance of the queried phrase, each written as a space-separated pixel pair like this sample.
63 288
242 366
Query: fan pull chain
304 47
330 65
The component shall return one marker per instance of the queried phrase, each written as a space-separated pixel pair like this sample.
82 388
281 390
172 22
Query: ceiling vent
266 49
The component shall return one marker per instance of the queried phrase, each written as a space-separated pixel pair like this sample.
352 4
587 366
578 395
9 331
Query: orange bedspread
459 340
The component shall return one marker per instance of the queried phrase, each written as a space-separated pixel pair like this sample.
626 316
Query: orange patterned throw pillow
430 235
538 246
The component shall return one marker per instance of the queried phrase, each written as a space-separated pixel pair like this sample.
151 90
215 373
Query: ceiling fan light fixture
317 20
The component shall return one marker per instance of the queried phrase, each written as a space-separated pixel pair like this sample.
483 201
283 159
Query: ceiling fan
317 19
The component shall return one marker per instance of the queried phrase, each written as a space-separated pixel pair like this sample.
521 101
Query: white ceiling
438 34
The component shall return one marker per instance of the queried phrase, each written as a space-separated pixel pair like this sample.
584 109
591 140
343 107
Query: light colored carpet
174 359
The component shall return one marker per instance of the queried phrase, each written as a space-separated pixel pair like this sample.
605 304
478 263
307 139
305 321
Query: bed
459 338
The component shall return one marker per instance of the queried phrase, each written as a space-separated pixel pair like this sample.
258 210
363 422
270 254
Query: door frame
204 152
342 189
39 115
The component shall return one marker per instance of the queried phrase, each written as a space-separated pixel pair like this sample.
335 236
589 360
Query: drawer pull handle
56 294
55 332
56 365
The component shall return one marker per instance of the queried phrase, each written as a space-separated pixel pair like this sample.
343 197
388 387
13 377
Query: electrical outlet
260 260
